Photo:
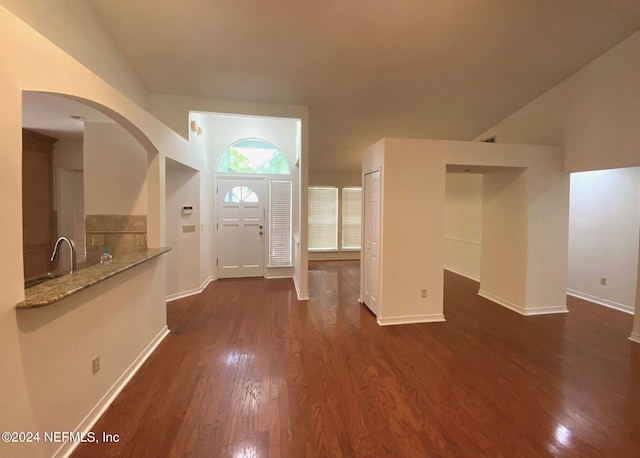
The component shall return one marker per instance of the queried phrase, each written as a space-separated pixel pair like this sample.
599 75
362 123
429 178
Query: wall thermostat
187 209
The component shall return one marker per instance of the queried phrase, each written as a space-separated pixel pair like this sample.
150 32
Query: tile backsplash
119 233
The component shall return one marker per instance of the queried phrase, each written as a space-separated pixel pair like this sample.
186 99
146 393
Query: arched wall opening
91 186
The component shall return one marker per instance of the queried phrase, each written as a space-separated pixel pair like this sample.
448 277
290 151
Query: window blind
351 218
323 218
280 223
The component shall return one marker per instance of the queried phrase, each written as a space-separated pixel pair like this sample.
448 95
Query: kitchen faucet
72 249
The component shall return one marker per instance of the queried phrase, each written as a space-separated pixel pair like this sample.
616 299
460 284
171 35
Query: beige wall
504 236
635 335
463 223
547 201
115 171
114 320
72 25
524 225
183 188
26 401
224 130
175 111
592 114
199 147
413 225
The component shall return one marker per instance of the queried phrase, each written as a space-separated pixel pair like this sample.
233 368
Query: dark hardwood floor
249 371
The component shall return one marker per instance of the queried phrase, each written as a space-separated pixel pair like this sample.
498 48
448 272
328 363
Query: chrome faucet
72 249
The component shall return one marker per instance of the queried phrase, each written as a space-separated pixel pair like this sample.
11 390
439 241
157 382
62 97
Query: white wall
635 335
463 224
504 237
27 401
115 171
199 146
338 180
604 224
183 188
175 112
524 225
225 129
413 231
592 114
114 320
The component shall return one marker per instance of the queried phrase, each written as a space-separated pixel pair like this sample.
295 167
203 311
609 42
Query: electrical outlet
95 365
139 239
97 240
603 281
424 293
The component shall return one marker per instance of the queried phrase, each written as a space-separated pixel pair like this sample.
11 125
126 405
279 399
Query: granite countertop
53 290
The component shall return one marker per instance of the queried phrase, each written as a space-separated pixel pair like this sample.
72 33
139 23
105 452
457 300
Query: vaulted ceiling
368 68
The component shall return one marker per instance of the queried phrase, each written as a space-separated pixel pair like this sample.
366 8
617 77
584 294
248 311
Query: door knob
260 227
260 232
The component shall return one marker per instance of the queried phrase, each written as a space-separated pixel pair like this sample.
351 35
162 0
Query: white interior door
371 277
240 226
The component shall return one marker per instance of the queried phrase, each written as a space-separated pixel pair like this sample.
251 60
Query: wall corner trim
532 311
468 275
67 448
410 319
500 301
301 297
190 292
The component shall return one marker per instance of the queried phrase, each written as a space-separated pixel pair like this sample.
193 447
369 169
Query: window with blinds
280 224
351 218
323 218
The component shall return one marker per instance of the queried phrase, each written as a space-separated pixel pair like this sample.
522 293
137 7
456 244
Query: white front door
371 274
240 226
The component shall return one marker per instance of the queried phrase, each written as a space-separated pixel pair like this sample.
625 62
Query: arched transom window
241 194
252 155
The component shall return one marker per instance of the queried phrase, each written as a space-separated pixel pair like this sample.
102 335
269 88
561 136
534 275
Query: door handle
260 232
260 227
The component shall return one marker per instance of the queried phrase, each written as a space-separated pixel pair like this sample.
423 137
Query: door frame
380 238
245 179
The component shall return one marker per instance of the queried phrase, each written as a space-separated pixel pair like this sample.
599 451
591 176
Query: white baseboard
190 292
410 319
301 297
463 273
635 337
67 448
546 310
521 310
500 301
601 301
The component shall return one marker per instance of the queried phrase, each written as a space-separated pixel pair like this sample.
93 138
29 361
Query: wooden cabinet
38 216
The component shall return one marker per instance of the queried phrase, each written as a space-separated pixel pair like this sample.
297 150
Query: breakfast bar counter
55 289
